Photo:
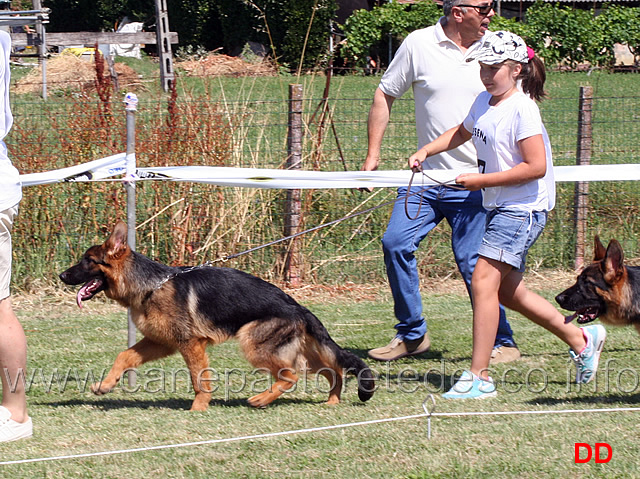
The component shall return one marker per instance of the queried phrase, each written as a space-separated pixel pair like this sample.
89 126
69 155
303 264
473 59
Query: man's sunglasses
481 9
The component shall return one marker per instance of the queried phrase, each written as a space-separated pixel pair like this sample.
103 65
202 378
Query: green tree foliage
307 30
568 36
565 34
512 25
367 30
621 25
560 34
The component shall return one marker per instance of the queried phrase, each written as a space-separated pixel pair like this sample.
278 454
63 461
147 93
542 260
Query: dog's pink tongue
79 298
568 319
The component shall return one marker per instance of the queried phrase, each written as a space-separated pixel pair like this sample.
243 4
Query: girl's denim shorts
509 235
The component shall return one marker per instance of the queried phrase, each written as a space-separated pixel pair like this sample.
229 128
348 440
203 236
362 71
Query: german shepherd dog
606 289
185 309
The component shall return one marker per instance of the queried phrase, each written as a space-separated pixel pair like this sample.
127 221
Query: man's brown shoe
504 354
399 348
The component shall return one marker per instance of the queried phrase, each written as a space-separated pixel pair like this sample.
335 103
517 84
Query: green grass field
68 345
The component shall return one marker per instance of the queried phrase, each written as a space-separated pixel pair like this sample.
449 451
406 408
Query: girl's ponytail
533 77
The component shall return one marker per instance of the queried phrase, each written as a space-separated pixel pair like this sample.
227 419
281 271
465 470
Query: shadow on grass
434 380
606 352
592 400
363 354
412 371
175 404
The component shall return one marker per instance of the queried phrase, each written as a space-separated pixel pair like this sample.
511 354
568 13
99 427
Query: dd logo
590 452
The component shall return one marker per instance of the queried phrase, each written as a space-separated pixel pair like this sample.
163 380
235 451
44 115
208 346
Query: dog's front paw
261 401
100 388
201 402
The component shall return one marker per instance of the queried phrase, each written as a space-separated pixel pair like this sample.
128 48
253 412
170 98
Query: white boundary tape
303 179
428 414
99 170
93 170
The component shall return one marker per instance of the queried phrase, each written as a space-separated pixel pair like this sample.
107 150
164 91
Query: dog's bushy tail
346 360
353 364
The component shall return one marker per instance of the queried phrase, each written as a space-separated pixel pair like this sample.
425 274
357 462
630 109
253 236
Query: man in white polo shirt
14 420
433 62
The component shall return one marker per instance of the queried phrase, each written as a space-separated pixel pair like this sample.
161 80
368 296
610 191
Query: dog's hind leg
272 346
335 383
320 364
195 355
286 378
143 351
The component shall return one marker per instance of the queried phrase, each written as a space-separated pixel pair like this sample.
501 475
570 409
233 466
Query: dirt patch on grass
535 280
216 64
70 72
41 296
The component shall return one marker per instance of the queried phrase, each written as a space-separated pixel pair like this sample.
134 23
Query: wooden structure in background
43 41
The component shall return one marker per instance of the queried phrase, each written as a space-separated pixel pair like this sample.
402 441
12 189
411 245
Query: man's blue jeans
464 212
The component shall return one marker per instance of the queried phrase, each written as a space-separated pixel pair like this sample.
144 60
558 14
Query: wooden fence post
292 208
583 157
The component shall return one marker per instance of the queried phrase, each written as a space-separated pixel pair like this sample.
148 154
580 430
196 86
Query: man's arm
377 122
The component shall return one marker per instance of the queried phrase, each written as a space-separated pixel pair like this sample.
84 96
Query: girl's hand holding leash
415 160
470 181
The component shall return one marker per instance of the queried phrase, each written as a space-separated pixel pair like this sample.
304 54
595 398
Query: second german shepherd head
605 289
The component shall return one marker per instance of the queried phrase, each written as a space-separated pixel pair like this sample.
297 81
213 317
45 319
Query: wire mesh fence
190 223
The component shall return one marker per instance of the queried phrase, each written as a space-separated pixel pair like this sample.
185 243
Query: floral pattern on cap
498 47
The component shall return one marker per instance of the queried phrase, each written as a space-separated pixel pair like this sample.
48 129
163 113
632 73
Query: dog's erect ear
613 262
116 244
598 249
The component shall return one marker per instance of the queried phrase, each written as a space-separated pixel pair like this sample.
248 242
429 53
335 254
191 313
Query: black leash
300 233
450 184
353 215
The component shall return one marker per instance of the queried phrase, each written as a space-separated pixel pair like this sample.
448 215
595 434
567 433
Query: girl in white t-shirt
516 178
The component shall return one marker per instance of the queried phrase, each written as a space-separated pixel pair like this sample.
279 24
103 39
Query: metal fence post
165 55
583 157
292 208
131 105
